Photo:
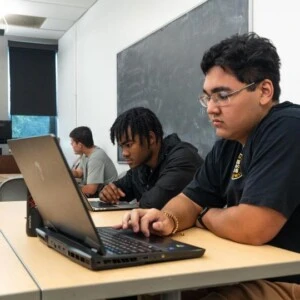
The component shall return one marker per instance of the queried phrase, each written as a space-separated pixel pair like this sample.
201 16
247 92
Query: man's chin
131 165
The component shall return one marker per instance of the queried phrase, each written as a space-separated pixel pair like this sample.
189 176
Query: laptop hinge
95 247
50 226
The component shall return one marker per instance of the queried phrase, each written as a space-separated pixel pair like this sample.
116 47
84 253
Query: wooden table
15 283
224 262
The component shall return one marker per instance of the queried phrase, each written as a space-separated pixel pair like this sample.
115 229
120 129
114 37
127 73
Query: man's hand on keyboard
111 193
148 221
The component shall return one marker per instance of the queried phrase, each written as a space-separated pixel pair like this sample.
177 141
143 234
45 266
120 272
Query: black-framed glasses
221 98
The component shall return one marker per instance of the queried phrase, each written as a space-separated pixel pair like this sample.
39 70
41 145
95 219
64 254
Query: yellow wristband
174 219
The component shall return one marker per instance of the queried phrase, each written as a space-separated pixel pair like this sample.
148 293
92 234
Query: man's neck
152 163
89 151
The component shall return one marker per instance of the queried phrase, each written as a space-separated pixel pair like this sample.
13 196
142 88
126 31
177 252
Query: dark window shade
32 81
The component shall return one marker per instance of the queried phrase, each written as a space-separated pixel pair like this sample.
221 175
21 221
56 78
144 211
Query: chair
13 189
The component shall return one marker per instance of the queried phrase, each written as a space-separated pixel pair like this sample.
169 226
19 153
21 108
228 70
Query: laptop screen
53 188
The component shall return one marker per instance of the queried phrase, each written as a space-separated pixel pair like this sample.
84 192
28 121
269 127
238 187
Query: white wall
279 21
87 56
109 27
67 91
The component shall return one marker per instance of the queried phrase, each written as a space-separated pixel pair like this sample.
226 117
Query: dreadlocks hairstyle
249 57
140 121
82 135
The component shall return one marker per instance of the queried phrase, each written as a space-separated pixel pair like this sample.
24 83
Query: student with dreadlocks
159 167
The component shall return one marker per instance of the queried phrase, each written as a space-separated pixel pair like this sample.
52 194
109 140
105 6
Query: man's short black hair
83 135
140 121
249 57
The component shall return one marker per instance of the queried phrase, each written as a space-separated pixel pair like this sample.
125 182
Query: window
32 89
24 126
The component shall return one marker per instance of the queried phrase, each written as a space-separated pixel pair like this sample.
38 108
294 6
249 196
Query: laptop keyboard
121 244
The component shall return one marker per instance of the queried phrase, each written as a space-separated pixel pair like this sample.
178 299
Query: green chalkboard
162 71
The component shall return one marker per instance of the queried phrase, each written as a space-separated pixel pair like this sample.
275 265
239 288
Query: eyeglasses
220 98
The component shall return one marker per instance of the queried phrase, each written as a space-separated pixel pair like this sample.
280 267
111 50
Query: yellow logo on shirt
237 172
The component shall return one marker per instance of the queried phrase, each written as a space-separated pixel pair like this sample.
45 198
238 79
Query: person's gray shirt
97 168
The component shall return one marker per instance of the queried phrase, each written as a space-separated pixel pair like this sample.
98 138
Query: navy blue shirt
265 172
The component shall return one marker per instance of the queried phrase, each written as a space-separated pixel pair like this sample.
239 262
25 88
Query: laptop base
89 258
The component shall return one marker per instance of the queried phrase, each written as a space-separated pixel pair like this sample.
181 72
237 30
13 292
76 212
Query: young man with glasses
248 188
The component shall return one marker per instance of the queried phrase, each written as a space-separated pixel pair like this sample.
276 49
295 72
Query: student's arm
159 222
77 173
111 193
95 175
119 190
248 224
90 189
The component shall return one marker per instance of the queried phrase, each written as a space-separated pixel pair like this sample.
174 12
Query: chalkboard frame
193 126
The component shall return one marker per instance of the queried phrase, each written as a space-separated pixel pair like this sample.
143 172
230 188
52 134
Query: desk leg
175 295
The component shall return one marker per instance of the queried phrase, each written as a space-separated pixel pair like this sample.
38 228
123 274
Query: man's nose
125 152
212 108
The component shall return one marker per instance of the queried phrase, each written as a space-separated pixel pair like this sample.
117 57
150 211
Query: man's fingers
148 221
111 193
135 218
126 220
132 219
121 193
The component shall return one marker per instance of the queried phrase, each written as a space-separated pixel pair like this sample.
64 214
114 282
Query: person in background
159 167
95 168
248 188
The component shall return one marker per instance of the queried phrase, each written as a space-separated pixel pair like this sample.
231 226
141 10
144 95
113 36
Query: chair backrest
13 189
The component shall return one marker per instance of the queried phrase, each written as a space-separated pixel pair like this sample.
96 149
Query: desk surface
224 262
15 280
4 177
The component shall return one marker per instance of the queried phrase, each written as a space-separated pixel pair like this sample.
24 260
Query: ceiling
42 19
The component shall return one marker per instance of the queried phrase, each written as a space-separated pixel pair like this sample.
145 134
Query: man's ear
152 138
267 91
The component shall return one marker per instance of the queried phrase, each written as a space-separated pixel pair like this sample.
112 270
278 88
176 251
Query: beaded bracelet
174 219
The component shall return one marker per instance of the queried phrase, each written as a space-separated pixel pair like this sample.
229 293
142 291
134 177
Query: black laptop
68 227
95 204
